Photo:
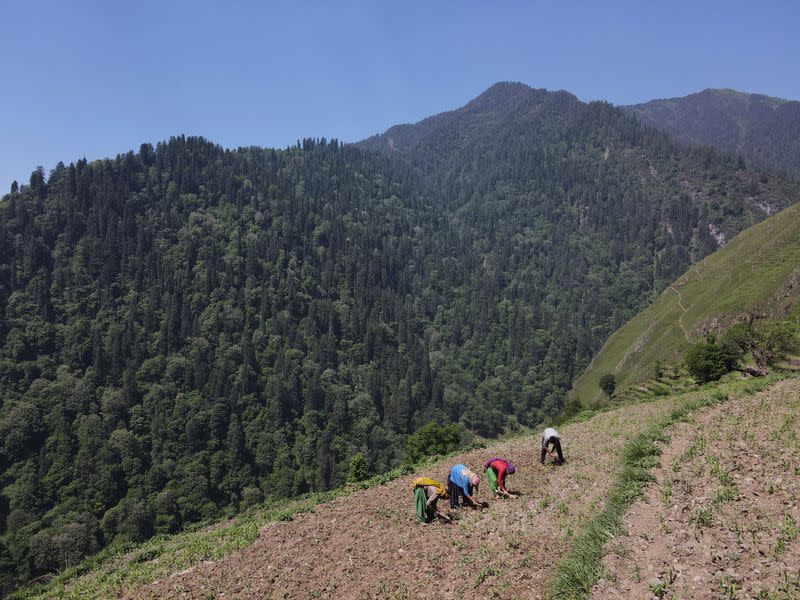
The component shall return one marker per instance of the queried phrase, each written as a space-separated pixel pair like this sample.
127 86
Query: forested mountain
764 131
186 329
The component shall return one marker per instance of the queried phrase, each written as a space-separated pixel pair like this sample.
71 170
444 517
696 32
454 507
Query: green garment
492 477
420 504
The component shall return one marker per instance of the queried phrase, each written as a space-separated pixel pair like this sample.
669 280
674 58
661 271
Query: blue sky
95 79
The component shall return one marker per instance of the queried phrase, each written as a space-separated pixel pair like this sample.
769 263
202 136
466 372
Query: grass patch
484 573
127 566
788 533
701 517
578 571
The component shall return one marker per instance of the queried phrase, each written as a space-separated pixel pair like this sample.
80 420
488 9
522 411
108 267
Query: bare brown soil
369 545
722 520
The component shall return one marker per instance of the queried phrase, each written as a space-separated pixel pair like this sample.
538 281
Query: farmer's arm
501 477
432 497
547 446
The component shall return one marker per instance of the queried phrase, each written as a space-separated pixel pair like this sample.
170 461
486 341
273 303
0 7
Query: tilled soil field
369 545
722 520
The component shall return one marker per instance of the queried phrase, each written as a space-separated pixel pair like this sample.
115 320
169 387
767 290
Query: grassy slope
751 271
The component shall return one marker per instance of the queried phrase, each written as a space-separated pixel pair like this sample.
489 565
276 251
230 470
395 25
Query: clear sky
96 78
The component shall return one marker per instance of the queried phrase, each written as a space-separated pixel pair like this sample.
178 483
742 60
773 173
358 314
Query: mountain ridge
761 129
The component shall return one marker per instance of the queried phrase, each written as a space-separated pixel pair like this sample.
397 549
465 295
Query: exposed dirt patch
368 544
722 520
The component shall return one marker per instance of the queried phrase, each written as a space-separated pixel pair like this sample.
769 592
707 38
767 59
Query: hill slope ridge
187 329
765 131
758 270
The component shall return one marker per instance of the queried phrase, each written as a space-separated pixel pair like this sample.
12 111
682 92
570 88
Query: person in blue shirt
462 482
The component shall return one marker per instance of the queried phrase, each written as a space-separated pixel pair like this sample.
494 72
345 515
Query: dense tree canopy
186 330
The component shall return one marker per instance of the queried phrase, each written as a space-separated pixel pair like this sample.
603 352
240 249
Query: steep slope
483 131
514 146
370 544
757 270
544 177
765 131
367 544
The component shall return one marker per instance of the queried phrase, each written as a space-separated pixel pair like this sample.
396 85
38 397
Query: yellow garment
441 490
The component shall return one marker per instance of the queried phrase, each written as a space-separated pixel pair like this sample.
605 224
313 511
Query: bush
572 407
708 361
130 521
431 439
357 470
252 496
769 342
63 547
608 383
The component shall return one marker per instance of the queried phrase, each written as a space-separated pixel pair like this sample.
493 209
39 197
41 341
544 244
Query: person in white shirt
551 437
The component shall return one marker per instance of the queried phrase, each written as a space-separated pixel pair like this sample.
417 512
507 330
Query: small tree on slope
708 361
608 383
768 342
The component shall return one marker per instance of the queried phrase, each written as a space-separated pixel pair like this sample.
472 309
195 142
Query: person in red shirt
500 467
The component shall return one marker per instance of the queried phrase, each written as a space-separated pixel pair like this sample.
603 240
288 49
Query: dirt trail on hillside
722 520
368 544
683 312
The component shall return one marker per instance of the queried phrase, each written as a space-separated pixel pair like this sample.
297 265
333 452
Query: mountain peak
505 105
504 89
512 94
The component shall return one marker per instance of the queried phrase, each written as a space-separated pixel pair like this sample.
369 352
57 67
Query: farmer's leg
453 490
557 444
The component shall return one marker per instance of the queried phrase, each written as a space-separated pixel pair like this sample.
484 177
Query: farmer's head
475 481
511 469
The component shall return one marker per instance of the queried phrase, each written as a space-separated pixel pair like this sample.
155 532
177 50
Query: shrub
431 439
769 342
357 470
572 407
708 361
608 383
63 547
251 496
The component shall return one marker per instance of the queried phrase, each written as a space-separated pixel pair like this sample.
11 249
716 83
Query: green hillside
758 269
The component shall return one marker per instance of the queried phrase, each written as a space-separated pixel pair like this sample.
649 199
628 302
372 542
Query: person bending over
426 496
550 437
496 471
462 482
